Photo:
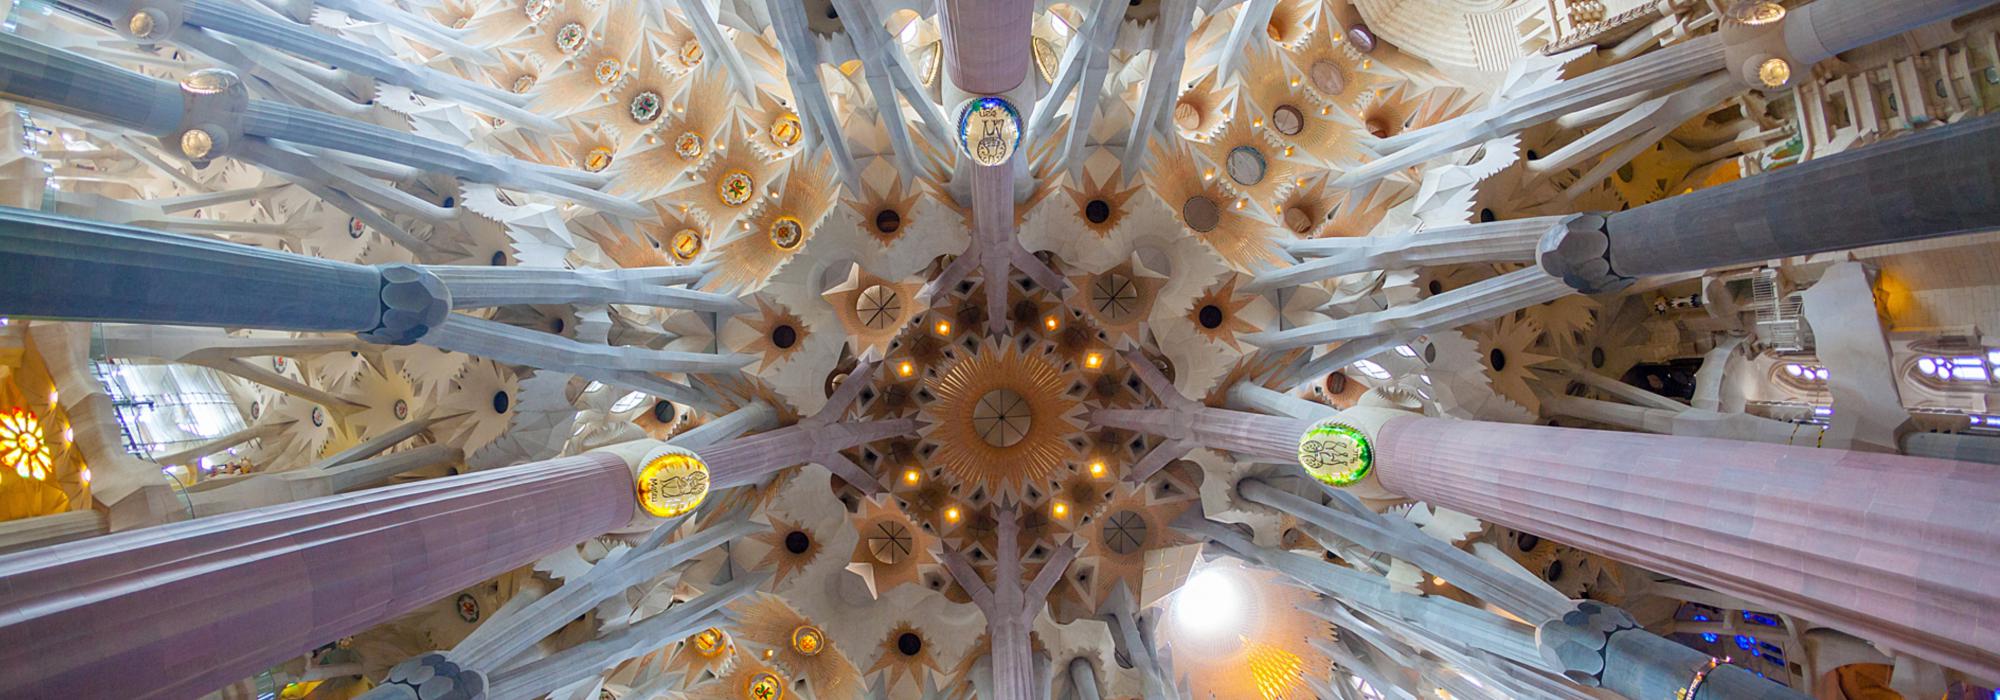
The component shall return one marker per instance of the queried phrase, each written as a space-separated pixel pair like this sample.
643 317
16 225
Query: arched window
1961 369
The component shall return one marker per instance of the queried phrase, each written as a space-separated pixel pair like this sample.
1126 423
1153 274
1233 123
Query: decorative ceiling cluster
777 160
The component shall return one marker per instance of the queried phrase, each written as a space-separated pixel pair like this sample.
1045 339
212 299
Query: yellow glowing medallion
787 232
707 642
764 686
807 640
686 244
785 131
672 482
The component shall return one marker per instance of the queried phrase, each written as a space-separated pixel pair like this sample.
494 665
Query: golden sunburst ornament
1000 419
22 446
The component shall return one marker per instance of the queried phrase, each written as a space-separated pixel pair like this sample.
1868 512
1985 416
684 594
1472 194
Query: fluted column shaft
1935 183
60 267
986 43
1897 550
178 610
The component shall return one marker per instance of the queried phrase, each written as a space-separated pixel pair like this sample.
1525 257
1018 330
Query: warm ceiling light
1097 468
1774 72
904 368
1060 510
951 514
1051 322
1093 360
944 328
910 476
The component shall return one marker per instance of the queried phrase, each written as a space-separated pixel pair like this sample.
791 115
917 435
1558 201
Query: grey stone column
1939 182
60 267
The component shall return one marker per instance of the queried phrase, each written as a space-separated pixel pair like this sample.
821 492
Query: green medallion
1336 454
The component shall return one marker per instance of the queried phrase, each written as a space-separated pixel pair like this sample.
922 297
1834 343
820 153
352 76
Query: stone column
55 266
986 43
1898 550
181 609
1938 182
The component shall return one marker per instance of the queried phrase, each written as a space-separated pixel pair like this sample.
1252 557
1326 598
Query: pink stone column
178 610
986 43
1902 551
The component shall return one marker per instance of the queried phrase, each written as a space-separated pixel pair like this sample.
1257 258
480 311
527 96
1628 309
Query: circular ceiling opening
664 411
888 221
1097 211
908 642
797 542
1210 316
1496 359
1247 165
889 542
784 337
1288 120
879 307
1002 418
1201 213
501 401
1327 78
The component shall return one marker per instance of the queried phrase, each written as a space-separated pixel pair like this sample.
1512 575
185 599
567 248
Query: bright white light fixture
1210 605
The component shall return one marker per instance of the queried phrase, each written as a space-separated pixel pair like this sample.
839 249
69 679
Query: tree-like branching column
1009 605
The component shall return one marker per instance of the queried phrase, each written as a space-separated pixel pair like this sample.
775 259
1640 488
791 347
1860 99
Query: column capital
1576 642
414 302
1577 250
431 676
213 102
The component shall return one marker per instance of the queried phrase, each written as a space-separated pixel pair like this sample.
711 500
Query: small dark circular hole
1532 155
784 337
557 325
1430 353
664 411
1497 359
1527 541
888 221
499 258
1436 287
1486 216
1210 316
832 13
501 401
909 643
1555 571
1097 211
797 542
450 202
1336 383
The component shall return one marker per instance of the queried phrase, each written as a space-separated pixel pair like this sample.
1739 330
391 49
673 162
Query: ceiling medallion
570 38
355 228
609 71
787 233
468 607
785 130
538 9
1336 454
1359 37
672 482
807 640
686 245
930 62
1247 165
691 53
707 642
524 83
1754 12
1001 419
1046 58
597 159
989 129
764 686
735 188
879 307
645 106
689 145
